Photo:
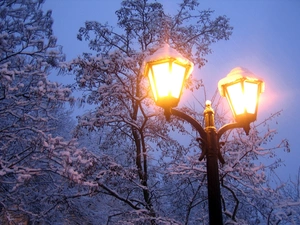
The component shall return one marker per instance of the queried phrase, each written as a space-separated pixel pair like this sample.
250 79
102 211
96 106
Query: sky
265 40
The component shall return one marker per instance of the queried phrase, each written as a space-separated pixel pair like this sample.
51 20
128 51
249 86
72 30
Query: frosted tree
35 164
249 195
291 204
113 80
143 175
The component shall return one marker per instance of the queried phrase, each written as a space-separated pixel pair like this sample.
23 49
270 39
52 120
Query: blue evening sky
265 40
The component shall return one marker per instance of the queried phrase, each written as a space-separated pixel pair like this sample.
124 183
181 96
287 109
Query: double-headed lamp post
167 71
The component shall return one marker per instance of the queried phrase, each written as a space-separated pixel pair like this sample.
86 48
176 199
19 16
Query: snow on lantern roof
165 52
237 74
168 52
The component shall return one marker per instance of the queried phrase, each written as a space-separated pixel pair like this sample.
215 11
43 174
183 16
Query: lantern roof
167 52
236 74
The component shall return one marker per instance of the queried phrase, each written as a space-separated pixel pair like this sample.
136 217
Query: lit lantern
167 71
242 91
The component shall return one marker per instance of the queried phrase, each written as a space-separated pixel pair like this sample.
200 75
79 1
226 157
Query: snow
65 153
165 52
236 74
168 52
23 177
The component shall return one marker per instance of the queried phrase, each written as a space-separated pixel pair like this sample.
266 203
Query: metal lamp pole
211 150
213 183
167 73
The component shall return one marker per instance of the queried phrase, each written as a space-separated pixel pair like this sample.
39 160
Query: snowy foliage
128 165
36 165
143 174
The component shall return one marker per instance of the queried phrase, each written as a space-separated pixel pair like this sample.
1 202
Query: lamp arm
191 120
226 127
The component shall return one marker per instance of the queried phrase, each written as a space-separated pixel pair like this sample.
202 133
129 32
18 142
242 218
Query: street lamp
242 91
167 70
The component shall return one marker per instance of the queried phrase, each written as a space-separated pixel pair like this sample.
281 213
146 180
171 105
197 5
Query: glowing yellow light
236 96
242 93
243 99
178 73
251 96
167 75
161 75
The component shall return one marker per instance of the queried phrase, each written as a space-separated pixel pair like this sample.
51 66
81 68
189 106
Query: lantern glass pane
176 81
152 83
161 75
250 95
235 98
